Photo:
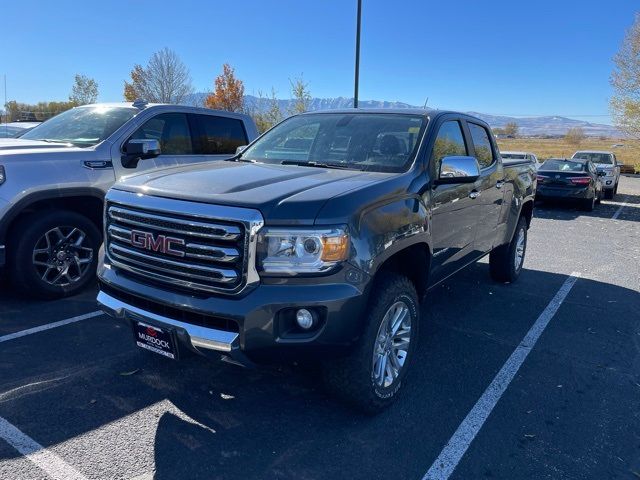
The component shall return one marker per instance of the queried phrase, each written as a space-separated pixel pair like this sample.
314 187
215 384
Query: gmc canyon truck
317 241
53 180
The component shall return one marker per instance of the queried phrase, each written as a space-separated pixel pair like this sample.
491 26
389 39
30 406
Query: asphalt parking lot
81 401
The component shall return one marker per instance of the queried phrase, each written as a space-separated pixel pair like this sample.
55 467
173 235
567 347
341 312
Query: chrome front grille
188 244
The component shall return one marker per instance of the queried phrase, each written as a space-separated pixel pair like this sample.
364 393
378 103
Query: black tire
588 204
504 263
351 378
608 194
31 230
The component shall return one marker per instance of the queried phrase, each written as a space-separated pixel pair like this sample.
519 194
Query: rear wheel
371 376
55 254
505 262
588 204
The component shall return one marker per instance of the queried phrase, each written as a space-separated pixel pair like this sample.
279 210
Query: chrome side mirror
458 169
139 149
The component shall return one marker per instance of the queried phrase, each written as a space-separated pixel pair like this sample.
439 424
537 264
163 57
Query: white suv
605 162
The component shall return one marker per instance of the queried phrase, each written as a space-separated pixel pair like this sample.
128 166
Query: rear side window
449 142
481 145
219 135
171 130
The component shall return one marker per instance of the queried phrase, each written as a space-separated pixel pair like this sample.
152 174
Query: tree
165 79
301 95
228 93
574 136
625 80
266 112
511 129
35 112
84 90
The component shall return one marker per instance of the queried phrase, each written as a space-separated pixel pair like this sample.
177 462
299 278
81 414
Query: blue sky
504 57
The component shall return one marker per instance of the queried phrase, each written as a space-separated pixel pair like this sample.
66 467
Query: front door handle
500 184
475 194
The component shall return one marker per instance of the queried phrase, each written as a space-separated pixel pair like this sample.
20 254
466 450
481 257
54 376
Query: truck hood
284 194
18 145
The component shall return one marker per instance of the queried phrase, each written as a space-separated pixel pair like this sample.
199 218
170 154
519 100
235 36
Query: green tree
625 80
84 90
301 95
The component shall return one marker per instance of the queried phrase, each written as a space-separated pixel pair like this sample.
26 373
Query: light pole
357 76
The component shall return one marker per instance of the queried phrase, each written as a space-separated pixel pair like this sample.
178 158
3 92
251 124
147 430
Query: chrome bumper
197 337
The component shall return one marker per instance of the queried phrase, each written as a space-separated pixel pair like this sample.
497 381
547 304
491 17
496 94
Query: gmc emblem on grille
159 243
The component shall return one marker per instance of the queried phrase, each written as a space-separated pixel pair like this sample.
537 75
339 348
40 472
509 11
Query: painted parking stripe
48 326
55 467
617 214
455 449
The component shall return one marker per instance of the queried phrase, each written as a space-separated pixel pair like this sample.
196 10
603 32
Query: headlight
291 251
3 176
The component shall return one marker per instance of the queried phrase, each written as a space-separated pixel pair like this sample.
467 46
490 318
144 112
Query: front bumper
608 183
258 315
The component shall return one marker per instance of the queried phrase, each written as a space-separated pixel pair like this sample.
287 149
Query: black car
576 179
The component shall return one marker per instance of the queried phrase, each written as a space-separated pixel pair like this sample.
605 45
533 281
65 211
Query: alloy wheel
392 345
62 256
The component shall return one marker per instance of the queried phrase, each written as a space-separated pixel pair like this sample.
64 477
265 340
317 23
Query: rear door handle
500 184
475 194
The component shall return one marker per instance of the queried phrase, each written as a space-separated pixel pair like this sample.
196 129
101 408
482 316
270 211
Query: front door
453 212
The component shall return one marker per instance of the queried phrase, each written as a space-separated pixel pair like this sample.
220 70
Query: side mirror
241 149
458 169
139 149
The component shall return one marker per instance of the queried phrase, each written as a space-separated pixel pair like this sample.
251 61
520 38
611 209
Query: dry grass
558 147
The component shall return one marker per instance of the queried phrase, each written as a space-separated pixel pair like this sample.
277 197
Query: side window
171 130
482 145
220 135
449 141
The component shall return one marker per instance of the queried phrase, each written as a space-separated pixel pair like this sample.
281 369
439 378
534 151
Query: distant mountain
529 126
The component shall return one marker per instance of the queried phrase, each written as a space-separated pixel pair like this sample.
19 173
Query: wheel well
88 206
412 262
527 212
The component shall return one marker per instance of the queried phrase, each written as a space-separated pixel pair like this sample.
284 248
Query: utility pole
357 77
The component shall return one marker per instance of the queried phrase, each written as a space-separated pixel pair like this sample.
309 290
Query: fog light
304 318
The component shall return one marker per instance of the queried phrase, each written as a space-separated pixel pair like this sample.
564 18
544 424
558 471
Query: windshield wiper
338 166
48 140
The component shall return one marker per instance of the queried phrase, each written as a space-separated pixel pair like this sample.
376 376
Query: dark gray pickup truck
319 240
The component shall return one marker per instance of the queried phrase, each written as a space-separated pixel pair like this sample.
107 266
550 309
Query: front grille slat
207 254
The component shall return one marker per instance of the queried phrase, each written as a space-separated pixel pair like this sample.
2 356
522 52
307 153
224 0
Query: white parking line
454 450
55 467
48 326
617 214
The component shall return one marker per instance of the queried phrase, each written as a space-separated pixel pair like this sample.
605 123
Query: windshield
513 156
595 157
83 127
360 141
563 166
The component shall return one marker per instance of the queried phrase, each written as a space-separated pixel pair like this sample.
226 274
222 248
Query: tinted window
171 130
363 141
449 142
220 135
481 145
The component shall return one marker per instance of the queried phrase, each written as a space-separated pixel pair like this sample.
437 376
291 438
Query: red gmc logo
159 243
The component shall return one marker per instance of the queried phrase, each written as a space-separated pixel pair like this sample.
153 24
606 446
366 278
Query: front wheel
371 376
56 254
505 262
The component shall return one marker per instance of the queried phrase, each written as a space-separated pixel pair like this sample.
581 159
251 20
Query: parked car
317 241
16 129
605 162
508 157
575 180
53 180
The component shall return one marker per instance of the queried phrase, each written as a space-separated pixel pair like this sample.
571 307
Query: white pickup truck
53 180
607 163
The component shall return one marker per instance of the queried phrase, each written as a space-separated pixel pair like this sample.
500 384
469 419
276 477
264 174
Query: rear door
217 137
489 186
453 216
